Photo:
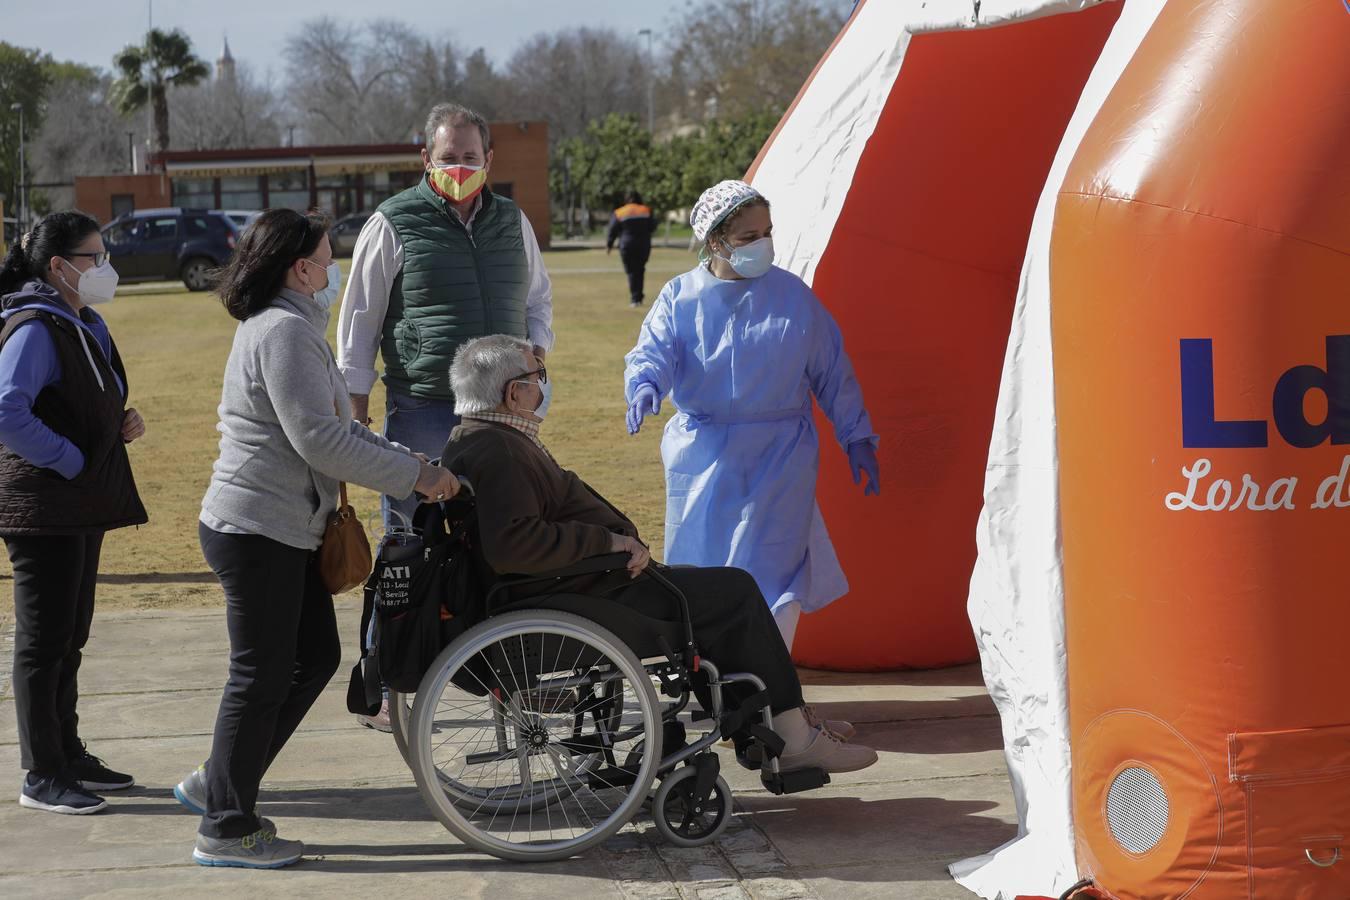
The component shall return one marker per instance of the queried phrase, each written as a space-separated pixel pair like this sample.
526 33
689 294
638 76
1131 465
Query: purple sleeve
28 364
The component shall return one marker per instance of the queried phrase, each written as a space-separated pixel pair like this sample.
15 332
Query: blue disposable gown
740 360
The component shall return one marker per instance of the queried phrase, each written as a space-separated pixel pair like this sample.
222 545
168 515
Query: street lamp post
651 78
23 183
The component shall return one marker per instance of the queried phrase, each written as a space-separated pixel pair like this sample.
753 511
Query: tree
588 172
148 70
734 57
724 148
617 154
375 83
81 133
574 77
235 111
24 78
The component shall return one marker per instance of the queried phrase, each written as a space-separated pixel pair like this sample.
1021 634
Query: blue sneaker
260 850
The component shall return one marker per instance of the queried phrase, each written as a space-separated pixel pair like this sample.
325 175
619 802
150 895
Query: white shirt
377 261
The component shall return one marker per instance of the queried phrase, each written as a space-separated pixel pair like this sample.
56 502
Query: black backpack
422 593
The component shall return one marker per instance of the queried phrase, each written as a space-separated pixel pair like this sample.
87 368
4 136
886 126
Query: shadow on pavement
868 832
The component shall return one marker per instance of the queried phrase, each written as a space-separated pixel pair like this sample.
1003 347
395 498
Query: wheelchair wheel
400 718
679 820
520 740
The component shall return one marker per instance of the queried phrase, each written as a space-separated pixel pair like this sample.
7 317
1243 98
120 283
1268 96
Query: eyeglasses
99 257
541 372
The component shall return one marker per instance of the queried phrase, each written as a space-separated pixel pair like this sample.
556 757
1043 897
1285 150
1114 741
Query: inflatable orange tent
1100 262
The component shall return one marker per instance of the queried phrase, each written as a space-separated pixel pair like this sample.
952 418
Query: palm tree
147 70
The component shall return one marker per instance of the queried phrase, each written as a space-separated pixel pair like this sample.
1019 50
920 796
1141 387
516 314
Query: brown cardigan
533 515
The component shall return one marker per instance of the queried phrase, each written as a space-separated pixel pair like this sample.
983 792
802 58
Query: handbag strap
342 485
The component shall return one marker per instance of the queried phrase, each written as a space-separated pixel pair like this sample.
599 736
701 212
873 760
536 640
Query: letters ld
1200 428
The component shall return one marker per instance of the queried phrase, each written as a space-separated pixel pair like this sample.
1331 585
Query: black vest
103 496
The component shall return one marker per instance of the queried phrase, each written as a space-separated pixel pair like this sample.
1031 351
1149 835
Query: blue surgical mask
326 295
753 259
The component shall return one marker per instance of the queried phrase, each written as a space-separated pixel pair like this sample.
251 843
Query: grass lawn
175 344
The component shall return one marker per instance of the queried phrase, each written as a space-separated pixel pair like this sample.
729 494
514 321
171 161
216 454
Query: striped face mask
457 183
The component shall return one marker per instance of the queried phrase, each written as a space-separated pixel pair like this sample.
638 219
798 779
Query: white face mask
753 259
546 389
548 398
97 284
325 296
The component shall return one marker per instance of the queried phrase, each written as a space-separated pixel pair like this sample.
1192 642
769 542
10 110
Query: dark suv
162 244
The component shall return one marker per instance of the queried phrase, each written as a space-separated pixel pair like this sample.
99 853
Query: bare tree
733 57
574 77
232 111
82 134
333 76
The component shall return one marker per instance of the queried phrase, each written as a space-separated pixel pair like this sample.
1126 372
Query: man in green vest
438 264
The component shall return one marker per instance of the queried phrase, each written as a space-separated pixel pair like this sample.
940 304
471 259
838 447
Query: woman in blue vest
741 346
65 480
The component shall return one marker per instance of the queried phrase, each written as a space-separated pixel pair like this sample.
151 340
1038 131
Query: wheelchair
546 727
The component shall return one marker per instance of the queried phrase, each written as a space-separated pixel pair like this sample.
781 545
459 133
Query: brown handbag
344 555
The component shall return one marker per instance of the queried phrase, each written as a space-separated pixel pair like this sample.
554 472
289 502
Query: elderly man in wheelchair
543 729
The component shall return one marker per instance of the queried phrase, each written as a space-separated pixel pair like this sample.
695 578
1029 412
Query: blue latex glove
862 458
646 402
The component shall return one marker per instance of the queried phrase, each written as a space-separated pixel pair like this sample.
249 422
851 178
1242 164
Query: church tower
225 64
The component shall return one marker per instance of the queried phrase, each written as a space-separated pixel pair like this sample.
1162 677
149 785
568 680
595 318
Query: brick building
339 180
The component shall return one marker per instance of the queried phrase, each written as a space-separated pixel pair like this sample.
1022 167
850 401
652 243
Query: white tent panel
1016 592
808 168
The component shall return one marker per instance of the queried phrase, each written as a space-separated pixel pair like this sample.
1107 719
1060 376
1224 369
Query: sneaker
829 753
379 721
837 727
191 791
93 775
59 795
636 304
260 850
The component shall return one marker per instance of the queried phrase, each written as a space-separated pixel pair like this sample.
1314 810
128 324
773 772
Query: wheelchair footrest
794 782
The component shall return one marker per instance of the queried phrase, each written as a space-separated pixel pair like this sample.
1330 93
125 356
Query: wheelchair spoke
518 733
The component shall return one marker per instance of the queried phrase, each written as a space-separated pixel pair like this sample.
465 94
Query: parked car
163 244
242 218
345 230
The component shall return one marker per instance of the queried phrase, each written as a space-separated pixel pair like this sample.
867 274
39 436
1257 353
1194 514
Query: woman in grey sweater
287 439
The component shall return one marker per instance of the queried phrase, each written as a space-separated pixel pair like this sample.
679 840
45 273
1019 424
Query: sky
91 31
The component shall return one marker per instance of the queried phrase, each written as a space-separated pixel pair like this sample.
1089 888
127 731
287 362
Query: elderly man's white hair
481 369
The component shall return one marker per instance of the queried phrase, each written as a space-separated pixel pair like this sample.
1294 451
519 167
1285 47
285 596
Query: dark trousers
284 648
635 265
733 626
54 580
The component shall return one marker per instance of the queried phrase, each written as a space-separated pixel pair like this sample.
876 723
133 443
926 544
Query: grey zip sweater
287 435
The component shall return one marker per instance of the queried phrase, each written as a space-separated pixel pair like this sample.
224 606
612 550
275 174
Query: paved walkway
151 682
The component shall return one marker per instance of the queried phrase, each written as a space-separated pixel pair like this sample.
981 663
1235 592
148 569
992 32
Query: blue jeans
422 425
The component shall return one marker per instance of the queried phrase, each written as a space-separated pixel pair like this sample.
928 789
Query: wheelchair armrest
591 565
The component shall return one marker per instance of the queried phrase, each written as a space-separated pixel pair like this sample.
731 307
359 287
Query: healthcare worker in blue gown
741 346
